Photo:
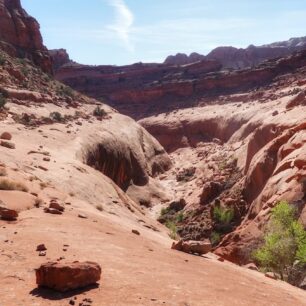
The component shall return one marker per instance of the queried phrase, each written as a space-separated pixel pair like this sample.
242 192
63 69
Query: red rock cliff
20 35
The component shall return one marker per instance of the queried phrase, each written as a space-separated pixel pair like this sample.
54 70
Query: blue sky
127 31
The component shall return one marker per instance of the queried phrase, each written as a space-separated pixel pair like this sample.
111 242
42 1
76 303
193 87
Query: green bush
164 211
65 91
2 101
173 230
179 217
215 238
284 242
223 215
99 112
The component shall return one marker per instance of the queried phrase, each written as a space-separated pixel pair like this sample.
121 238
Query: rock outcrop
20 35
60 57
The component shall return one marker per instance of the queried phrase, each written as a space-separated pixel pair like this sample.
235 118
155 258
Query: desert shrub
2 59
25 71
56 116
223 215
284 242
179 217
173 230
164 211
65 91
99 112
6 184
22 61
2 100
215 238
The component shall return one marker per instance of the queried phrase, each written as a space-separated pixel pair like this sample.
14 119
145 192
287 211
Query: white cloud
123 23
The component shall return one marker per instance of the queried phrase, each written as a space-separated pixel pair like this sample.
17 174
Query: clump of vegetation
2 101
99 112
2 59
65 91
173 230
6 184
56 116
284 242
25 71
215 238
223 215
22 61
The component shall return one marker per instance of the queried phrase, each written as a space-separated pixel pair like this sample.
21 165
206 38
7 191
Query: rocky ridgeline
239 58
142 90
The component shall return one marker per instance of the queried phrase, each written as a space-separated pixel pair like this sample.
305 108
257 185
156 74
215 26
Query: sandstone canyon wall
142 90
20 35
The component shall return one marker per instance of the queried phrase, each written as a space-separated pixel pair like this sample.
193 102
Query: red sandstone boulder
193 247
67 276
6 136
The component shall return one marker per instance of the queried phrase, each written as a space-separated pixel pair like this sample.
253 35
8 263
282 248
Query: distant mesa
238 58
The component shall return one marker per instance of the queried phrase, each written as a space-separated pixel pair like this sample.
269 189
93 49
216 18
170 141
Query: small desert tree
284 242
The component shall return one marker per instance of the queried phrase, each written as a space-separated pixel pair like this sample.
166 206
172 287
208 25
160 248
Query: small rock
271 275
57 206
7 144
71 302
83 216
251 266
43 253
43 168
46 159
41 247
135 232
52 211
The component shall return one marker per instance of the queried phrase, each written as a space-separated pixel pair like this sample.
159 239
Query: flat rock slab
68 276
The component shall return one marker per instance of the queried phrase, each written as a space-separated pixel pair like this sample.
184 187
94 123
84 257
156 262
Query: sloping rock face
20 35
125 152
142 90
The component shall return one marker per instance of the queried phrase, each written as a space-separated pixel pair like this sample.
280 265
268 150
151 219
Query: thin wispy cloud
123 23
